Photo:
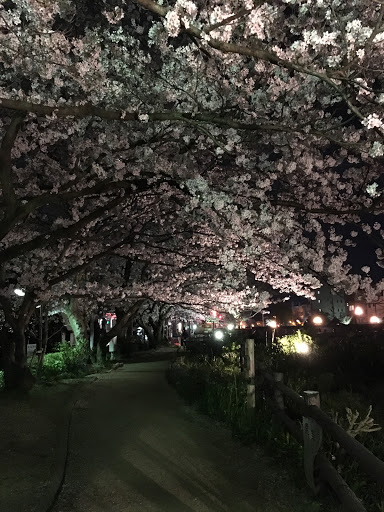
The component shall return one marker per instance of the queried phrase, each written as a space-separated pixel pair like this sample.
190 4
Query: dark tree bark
17 375
121 322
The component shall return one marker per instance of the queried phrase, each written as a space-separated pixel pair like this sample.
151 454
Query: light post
358 311
264 312
273 325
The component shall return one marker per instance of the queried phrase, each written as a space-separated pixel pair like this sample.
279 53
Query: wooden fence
309 434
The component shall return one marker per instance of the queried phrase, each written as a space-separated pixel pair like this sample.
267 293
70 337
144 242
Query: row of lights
317 320
358 311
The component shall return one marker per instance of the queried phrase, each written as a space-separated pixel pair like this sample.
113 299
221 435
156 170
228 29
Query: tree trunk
157 328
150 335
17 375
77 322
122 322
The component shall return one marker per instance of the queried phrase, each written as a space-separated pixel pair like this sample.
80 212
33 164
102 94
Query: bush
68 361
1 380
218 388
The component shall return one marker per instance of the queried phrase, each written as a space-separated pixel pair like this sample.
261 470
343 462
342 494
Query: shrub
297 343
218 388
68 361
1 380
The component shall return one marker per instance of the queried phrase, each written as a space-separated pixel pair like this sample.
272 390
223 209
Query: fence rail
314 421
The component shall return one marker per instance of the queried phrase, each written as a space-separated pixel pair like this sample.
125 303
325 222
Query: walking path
135 447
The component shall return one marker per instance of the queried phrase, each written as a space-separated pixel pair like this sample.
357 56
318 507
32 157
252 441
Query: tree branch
45 240
9 196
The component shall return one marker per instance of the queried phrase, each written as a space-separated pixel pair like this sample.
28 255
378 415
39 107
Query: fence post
312 434
250 372
279 377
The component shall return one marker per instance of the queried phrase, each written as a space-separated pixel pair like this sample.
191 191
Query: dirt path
32 429
135 447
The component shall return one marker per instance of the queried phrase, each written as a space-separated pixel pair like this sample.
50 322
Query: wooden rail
314 418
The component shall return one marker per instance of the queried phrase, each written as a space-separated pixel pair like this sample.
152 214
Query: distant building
330 303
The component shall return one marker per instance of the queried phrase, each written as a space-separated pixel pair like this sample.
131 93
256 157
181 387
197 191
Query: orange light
359 311
375 320
317 320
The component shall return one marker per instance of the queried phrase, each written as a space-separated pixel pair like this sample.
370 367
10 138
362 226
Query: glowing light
358 311
375 320
317 320
272 324
213 313
194 327
301 347
219 335
19 292
230 327
179 326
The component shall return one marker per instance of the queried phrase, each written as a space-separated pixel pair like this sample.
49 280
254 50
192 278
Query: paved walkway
135 447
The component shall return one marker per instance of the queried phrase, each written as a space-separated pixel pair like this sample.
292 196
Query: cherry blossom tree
238 137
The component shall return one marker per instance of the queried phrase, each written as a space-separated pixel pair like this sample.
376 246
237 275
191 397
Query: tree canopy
206 141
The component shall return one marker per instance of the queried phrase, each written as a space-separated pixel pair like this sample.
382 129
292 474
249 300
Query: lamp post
358 311
272 324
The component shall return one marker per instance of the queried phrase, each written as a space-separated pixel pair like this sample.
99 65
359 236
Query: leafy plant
297 343
66 362
354 427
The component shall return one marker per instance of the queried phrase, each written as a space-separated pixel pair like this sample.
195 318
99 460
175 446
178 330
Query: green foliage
1 380
217 388
297 343
67 361
231 356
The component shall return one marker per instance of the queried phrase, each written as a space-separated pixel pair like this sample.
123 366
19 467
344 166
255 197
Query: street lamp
317 320
19 292
272 324
359 311
374 320
218 335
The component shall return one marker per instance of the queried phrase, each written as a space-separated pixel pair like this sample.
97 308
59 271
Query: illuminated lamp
218 335
358 311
